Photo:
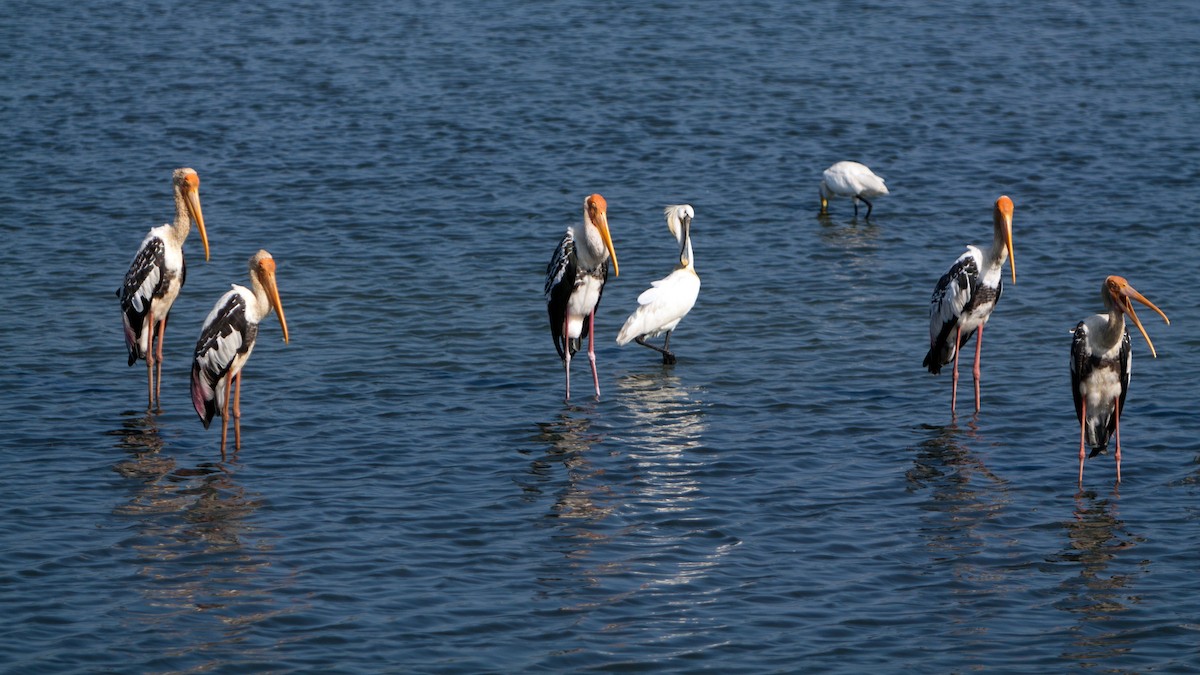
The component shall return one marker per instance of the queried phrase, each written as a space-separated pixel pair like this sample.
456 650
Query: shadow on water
1096 535
202 570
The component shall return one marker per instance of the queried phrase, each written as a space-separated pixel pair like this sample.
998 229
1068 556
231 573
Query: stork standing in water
1101 352
668 300
226 341
965 296
575 280
853 180
154 279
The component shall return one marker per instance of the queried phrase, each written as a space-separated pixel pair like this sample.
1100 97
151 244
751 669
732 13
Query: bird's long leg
1082 427
668 357
1117 418
870 206
158 361
237 412
661 350
567 352
592 350
975 372
854 200
225 415
954 386
150 361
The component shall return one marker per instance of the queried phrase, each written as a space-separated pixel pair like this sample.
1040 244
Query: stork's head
1118 296
595 211
186 183
262 266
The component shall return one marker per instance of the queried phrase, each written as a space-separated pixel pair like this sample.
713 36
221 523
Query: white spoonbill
965 296
575 280
226 341
668 300
155 277
1101 353
853 180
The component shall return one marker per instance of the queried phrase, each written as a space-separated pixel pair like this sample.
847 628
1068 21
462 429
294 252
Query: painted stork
965 296
668 300
1101 352
226 341
575 280
155 277
853 180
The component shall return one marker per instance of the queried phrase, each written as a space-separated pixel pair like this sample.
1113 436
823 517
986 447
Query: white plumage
575 279
662 306
1101 365
853 180
155 278
965 296
226 342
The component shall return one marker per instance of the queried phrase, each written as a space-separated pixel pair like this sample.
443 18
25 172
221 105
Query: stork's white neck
183 219
589 245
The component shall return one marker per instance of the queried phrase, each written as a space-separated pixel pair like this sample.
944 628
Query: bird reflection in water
1096 536
192 550
626 520
964 497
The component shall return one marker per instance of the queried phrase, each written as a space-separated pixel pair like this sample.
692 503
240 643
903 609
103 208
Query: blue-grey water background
413 494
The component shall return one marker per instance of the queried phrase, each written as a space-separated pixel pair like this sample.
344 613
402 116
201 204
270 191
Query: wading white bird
965 296
1101 353
668 300
853 180
155 277
575 280
226 341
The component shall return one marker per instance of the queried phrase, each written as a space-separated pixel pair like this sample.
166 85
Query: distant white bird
575 279
853 180
667 301
155 277
1101 353
965 296
226 341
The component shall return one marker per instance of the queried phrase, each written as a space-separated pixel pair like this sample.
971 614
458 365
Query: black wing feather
210 362
148 265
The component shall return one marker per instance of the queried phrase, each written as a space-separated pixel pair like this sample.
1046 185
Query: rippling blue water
414 495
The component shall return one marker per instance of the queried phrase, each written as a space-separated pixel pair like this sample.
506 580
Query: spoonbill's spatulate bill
853 180
668 300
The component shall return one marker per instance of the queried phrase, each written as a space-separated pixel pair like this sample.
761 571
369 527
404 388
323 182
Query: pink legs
974 371
567 353
954 387
978 347
1082 427
1117 417
150 362
237 412
591 352
225 416
158 361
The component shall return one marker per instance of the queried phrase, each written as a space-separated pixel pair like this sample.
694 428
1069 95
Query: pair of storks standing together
227 337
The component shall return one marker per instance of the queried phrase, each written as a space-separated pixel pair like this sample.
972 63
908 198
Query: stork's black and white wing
145 280
1081 364
950 299
560 282
227 333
